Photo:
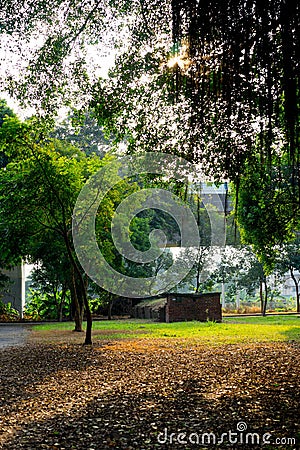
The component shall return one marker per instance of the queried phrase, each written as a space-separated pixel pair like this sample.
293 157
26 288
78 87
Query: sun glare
181 60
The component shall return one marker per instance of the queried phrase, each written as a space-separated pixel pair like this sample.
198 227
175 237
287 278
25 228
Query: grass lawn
233 330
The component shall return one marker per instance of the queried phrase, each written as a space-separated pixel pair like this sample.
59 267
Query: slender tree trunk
89 320
261 296
75 268
110 305
198 274
237 300
223 294
265 298
297 289
61 305
60 312
56 303
78 313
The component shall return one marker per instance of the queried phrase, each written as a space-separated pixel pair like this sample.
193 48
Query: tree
215 82
289 261
202 255
224 77
239 269
38 191
266 214
52 276
5 111
47 303
251 275
225 270
82 132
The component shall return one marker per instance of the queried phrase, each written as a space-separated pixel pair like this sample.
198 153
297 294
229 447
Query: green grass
232 330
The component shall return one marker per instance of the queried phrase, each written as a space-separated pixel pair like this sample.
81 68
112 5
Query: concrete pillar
15 291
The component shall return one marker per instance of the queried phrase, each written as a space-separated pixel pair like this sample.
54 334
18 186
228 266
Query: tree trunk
223 295
89 320
110 305
79 310
78 313
237 300
261 296
60 312
78 316
265 300
57 304
297 289
198 275
75 269
61 304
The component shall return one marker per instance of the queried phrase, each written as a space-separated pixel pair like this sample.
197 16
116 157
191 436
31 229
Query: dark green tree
82 132
51 276
266 211
5 111
289 262
38 191
215 82
239 269
227 74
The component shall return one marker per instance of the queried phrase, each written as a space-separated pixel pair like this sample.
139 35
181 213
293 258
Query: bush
254 309
42 306
7 312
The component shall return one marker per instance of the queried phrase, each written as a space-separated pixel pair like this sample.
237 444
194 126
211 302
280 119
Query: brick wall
202 307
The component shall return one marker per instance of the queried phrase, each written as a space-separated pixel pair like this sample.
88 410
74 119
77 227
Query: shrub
7 312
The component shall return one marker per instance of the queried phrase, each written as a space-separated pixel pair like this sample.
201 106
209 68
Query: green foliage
4 279
5 111
266 212
43 306
8 312
38 188
289 256
2 307
227 88
289 262
38 191
85 134
185 81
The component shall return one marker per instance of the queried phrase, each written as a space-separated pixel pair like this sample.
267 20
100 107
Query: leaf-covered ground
132 394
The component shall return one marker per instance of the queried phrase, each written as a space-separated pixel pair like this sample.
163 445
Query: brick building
177 307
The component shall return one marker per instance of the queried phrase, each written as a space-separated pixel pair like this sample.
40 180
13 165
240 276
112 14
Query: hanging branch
243 76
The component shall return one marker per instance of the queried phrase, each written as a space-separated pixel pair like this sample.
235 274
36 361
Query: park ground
146 385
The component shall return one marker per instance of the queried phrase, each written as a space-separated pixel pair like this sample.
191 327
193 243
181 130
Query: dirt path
12 335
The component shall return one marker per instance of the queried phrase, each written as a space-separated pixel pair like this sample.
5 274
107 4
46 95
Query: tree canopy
215 82
232 68
38 191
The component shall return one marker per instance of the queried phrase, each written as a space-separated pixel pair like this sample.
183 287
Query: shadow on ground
74 397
